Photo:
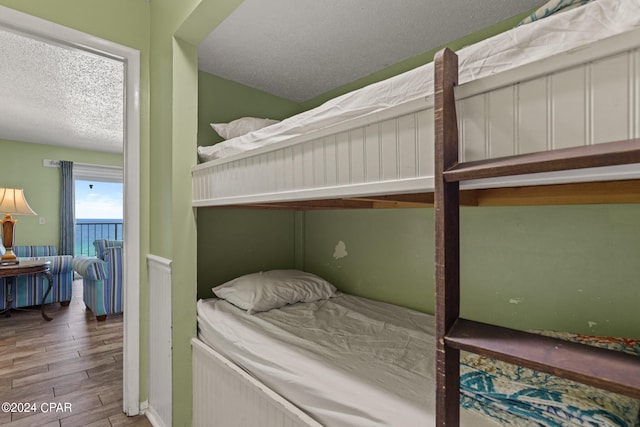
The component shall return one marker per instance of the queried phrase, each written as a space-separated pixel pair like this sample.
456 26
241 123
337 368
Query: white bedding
522 45
346 361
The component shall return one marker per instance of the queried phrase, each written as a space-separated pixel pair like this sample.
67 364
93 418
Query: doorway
58 34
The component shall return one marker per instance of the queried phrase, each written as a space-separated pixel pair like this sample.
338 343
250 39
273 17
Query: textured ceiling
296 49
54 94
299 49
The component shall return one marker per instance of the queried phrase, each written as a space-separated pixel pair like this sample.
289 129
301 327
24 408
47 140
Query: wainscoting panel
159 412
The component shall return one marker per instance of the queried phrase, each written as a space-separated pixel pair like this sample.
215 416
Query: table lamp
12 202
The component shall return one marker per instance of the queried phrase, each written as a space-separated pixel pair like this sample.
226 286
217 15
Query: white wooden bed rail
379 153
581 97
225 395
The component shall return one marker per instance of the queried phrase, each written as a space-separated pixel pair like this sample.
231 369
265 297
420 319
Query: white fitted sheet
347 361
522 45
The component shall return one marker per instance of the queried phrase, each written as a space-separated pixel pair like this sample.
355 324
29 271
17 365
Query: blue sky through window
96 199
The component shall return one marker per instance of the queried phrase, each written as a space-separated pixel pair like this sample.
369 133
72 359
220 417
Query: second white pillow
266 290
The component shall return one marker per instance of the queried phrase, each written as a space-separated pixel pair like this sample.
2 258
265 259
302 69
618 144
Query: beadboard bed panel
225 395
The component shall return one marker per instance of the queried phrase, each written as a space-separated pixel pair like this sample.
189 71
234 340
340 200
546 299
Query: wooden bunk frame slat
597 367
447 256
607 369
588 156
578 193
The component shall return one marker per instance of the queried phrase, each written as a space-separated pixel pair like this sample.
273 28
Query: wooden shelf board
585 193
597 155
610 370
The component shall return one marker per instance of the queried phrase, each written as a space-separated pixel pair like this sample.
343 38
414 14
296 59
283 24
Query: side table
27 267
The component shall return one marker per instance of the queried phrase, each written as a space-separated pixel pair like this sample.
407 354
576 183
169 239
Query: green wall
233 242
572 268
221 100
22 168
388 254
172 224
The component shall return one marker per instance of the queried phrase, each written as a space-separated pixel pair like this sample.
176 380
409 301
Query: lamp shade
12 202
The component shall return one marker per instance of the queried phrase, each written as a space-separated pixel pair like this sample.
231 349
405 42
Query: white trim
131 342
91 172
102 173
154 418
131 57
160 262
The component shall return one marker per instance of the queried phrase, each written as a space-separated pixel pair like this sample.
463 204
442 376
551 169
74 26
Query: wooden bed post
447 234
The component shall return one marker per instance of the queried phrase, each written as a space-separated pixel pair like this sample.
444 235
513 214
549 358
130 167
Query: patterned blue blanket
518 396
552 7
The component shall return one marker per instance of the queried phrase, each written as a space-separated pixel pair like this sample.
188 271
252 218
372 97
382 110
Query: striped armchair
102 278
28 290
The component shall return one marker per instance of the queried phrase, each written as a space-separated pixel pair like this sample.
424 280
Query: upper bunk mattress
520 46
347 361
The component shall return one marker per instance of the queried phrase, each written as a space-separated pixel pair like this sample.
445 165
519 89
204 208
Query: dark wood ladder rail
611 370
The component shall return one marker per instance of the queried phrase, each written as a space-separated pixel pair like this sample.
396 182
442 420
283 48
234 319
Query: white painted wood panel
288 168
307 165
343 148
372 152
610 100
570 108
634 103
357 156
279 166
160 359
426 129
389 141
225 395
298 167
407 146
473 120
532 116
501 122
331 161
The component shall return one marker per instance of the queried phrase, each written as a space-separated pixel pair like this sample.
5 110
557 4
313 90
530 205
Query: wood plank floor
69 369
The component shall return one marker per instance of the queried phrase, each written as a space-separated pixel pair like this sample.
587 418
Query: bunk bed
615 371
344 360
550 84
549 96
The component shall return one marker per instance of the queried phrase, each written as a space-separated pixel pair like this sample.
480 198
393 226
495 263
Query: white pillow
274 289
241 126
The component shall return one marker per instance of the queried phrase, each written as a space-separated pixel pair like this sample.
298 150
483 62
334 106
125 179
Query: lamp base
9 258
8 227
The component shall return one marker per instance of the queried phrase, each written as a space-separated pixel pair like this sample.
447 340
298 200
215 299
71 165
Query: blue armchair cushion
91 268
102 280
101 246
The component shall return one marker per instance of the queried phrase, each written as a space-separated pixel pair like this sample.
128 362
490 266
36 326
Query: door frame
47 30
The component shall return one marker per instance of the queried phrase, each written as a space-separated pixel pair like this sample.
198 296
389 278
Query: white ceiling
299 49
295 49
58 95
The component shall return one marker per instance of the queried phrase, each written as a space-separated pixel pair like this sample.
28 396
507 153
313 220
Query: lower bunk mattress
350 361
